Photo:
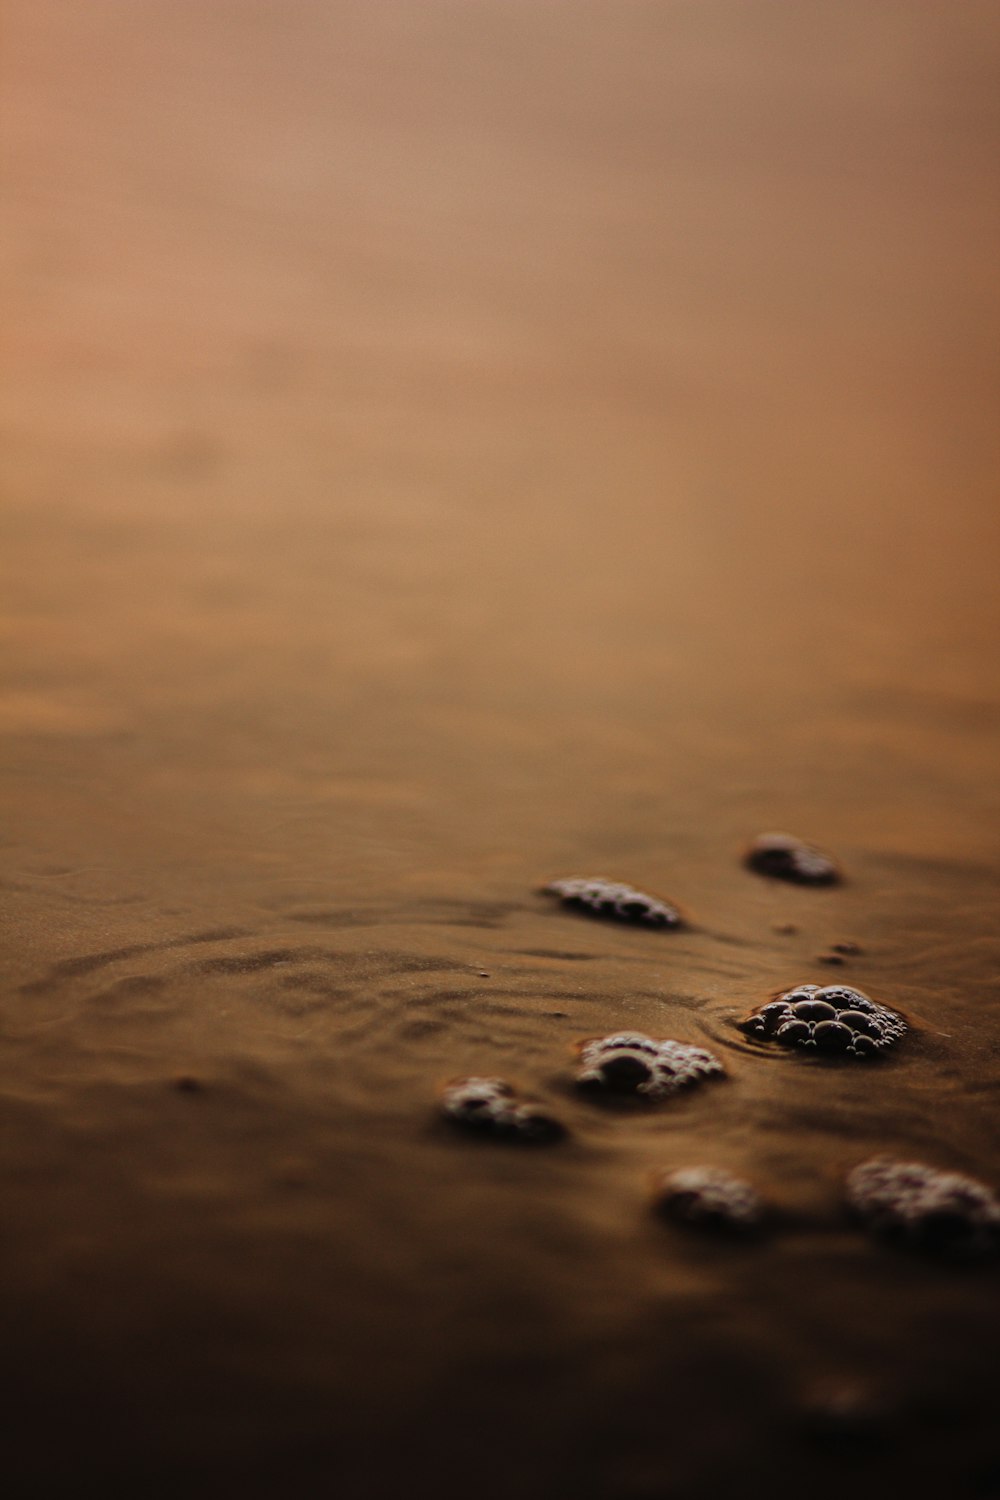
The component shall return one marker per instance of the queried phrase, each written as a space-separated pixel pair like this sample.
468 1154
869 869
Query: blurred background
444 394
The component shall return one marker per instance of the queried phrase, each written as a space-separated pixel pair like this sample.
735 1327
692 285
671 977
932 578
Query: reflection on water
447 449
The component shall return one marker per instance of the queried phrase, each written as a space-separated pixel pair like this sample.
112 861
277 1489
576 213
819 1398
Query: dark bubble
794 1032
611 899
186 1083
771 1017
858 1020
784 857
814 1010
625 1071
840 995
831 1036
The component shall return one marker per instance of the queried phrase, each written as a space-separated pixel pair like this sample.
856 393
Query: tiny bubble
186 1084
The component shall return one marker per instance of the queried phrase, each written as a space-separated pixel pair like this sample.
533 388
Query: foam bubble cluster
912 1204
629 1062
784 857
709 1198
835 1020
615 901
492 1107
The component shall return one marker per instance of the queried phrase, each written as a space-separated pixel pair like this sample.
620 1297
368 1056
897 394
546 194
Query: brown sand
450 445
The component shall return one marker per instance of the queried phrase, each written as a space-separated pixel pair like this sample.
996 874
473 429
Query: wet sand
448 447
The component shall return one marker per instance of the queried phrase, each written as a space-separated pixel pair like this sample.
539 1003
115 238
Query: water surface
449 448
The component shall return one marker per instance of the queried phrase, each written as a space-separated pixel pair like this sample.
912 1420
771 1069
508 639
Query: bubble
786 858
912 1204
492 1107
187 1083
814 1010
774 1015
843 997
634 1064
794 1032
625 1071
709 1199
638 1041
835 1020
832 1036
611 899
859 1020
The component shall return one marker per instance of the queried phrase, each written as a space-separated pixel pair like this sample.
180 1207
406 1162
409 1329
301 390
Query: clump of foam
784 857
835 1020
613 900
912 1204
628 1062
709 1198
492 1107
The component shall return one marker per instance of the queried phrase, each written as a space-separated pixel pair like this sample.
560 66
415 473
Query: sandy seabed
447 447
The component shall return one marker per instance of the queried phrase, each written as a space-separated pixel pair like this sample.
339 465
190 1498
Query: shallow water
445 451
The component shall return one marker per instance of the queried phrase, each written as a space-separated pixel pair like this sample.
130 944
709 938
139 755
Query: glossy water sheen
449 446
